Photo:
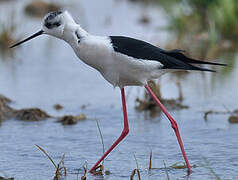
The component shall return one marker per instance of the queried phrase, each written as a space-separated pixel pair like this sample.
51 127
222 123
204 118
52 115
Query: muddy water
45 71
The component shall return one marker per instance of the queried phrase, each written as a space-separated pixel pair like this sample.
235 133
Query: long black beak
29 38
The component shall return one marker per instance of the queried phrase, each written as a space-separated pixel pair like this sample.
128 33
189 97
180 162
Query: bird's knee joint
125 131
174 125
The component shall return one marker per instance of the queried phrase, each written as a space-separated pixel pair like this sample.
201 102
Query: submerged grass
166 170
207 165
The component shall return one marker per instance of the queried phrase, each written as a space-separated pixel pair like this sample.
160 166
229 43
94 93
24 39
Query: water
45 71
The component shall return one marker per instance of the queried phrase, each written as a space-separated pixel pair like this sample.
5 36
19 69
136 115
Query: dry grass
6 112
148 103
85 168
31 114
150 161
71 120
58 107
6 37
39 8
233 118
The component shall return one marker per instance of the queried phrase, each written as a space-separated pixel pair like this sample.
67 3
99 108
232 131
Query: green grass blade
101 136
46 155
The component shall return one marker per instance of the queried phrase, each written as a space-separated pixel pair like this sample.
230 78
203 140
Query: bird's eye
50 25
56 24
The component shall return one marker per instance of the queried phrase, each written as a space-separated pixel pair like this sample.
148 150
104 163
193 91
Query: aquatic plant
150 161
134 171
85 169
31 114
233 115
100 168
102 140
166 171
148 104
207 165
6 112
58 107
60 167
210 21
70 119
212 24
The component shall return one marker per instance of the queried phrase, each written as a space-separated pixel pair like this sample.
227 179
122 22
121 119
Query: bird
122 61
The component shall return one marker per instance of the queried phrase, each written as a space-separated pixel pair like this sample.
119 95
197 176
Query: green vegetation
101 136
203 15
60 167
212 24
207 165
204 28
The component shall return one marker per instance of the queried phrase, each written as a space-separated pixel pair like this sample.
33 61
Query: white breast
95 51
118 69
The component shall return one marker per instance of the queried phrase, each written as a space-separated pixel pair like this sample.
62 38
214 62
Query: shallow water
45 71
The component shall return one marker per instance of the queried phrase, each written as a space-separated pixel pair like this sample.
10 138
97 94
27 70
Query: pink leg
125 131
173 124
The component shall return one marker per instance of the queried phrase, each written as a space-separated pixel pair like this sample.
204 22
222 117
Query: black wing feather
142 50
178 54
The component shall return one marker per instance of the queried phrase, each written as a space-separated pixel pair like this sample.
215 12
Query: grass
101 136
85 168
136 170
208 166
61 171
150 161
59 167
6 38
206 29
100 168
166 170
212 24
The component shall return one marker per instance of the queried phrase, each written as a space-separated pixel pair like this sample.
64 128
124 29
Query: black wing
173 59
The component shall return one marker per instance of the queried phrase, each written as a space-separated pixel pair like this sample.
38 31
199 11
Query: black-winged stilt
122 61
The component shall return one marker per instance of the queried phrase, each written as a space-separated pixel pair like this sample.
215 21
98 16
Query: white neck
73 33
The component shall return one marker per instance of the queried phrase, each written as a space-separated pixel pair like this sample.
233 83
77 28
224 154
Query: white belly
118 69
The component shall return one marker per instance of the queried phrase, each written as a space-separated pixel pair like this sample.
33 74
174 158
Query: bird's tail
178 54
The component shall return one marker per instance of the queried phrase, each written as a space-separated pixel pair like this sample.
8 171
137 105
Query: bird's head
53 24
